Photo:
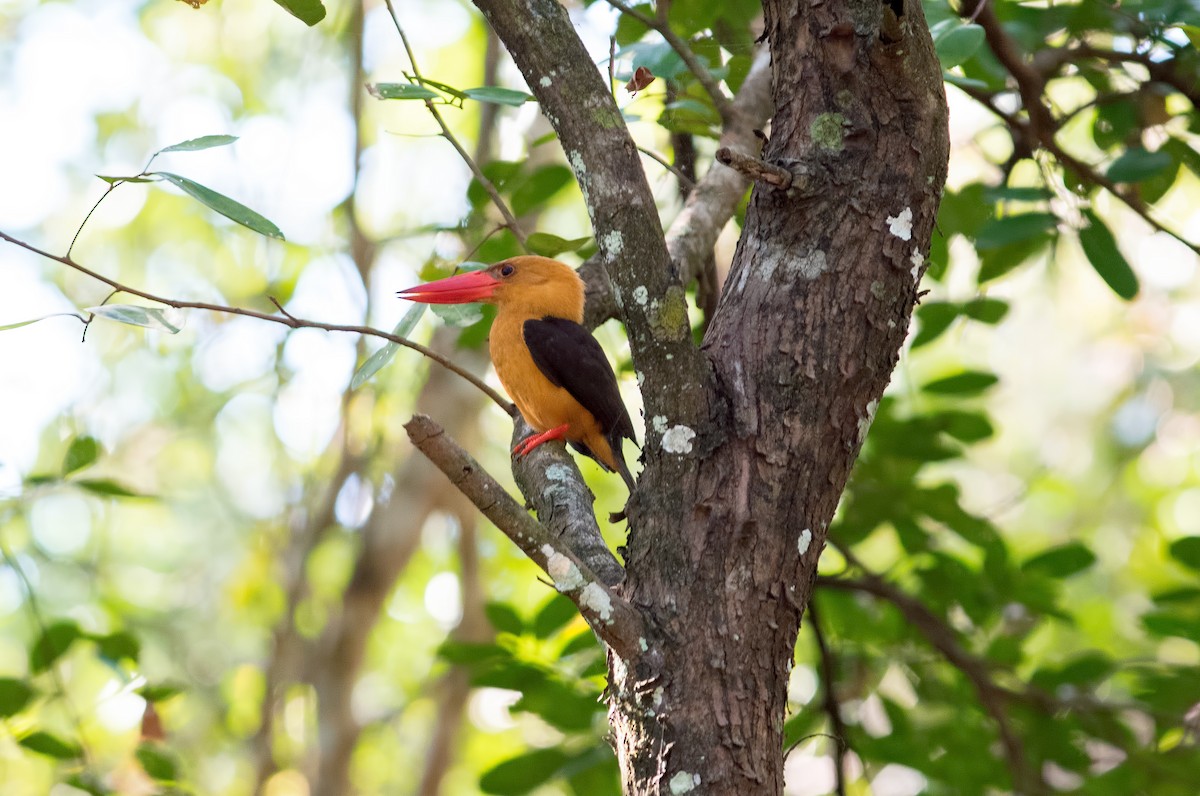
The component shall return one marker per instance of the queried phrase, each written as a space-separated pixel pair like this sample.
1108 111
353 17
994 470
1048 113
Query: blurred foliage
1021 535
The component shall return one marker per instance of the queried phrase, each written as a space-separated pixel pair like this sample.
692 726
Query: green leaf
1062 561
159 692
504 618
1009 193
1102 252
88 782
384 355
104 487
1193 34
970 381
443 87
498 96
958 44
966 426
231 209
1138 164
453 651
114 180
118 646
523 773
53 642
197 144
52 746
548 245
1014 229
539 188
458 314
402 91
310 12
933 318
986 310
14 696
555 614
1186 551
83 451
157 762
19 324
165 319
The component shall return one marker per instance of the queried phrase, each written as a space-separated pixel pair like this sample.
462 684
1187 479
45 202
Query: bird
550 365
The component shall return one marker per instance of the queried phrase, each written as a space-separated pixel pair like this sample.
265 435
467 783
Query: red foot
529 443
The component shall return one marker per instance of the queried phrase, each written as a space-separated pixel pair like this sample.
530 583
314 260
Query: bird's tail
622 468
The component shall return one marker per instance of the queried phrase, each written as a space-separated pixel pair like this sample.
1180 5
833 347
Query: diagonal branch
286 320
613 619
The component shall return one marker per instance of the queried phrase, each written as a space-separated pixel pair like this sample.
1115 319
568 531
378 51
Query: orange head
532 286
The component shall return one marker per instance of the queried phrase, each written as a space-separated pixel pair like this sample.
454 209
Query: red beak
462 289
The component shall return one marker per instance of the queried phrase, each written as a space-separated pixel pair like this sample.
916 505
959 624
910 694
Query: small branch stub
755 169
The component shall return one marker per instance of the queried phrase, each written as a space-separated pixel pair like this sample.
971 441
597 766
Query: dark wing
570 358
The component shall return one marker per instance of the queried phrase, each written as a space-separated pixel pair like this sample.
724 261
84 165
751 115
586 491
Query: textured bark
804 341
749 442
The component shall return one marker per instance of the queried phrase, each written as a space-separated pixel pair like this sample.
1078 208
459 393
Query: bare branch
293 322
614 620
564 504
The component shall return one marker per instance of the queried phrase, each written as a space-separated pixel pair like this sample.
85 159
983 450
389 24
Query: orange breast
543 405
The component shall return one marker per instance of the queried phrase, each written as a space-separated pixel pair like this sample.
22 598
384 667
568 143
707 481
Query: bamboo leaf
165 319
196 144
230 208
384 355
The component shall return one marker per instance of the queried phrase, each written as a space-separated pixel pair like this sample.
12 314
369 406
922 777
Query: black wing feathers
568 355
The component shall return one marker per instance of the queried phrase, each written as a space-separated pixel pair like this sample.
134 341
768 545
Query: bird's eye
506 270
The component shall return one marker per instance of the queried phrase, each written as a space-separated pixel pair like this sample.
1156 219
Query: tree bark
748 449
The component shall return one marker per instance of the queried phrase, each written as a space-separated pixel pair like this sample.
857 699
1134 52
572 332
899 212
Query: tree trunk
803 344
749 441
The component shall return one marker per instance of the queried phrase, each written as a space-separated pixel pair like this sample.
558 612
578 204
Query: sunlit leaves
230 208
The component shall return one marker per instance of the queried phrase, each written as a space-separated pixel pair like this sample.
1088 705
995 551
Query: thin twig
832 708
484 182
688 183
293 322
719 100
